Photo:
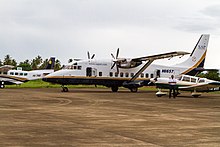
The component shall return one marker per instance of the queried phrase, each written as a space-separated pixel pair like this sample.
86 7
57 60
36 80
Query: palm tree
9 61
57 65
36 62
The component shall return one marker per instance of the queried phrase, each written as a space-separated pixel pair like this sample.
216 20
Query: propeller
115 60
89 55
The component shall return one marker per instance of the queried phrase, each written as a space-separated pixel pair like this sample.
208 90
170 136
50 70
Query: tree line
37 63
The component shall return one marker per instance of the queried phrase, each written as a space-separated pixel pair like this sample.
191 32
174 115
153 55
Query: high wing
161 56
151 58
202 87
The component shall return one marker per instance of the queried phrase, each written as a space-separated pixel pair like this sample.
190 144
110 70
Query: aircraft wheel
134 89
114 89
65 89
2 86
159 95
196 96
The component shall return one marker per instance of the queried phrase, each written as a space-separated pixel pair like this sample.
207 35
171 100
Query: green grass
42 84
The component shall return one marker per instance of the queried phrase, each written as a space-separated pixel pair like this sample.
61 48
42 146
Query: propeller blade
117 53
88 55
113 65
113 56
93 56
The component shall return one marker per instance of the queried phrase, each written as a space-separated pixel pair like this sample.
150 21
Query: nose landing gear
64 89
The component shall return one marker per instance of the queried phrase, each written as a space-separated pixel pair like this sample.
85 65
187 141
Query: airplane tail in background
196 60
51 63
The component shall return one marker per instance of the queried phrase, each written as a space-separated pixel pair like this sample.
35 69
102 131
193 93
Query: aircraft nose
44 79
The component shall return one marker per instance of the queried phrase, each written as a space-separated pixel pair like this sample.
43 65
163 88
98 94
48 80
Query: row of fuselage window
23 74
127 75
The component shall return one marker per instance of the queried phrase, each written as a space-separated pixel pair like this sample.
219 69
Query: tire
2 86
114 89
65 89
134 89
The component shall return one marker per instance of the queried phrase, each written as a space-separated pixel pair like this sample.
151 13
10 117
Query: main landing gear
64 89
134 89
160 93
114 88
2 85
195 94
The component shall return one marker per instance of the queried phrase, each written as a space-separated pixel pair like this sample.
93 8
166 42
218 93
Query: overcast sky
69 28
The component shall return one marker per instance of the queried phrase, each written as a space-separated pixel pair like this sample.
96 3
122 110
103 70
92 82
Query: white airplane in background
187 83
130 73
20 76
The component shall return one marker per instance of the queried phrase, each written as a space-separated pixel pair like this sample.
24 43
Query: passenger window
121 74
116 74
25 74
142 75
11 73
16 73
111 74
79 67
100 74
146 75
193 80
151 75
187 79
126 74
132 74
21 74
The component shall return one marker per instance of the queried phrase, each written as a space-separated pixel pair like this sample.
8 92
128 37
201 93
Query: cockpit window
202 81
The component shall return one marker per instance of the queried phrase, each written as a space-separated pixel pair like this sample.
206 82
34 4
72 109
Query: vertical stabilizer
51 63
196 59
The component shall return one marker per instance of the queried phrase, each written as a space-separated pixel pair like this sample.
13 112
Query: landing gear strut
114 88
64 89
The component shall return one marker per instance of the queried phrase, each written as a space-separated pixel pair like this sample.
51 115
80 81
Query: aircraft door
88 71
157 73
91 72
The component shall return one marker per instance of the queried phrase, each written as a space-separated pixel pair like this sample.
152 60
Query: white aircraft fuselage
128 72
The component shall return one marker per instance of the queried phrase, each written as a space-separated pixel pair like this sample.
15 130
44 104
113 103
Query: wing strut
141 70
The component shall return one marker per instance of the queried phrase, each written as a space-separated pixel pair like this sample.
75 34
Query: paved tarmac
98 117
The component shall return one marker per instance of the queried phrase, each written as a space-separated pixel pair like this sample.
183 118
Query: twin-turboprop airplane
187 83
130 73
21 76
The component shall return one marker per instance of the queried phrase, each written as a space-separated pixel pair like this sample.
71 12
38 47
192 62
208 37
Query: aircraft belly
89 81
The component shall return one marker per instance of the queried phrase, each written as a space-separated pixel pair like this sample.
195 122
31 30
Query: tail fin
196 59
51 63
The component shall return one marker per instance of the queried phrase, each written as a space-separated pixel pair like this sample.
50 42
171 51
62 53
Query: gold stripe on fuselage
196 65
14 78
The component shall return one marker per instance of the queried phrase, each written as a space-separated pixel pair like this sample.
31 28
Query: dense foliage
36 63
